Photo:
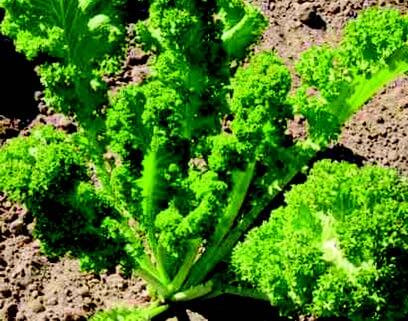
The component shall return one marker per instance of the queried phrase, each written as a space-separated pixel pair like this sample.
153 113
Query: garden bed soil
34 288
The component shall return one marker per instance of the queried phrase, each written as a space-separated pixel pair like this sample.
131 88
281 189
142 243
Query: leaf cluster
341 77
80 41
47 171
337 248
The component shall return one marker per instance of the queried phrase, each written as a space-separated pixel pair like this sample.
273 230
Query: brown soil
379 131
33 288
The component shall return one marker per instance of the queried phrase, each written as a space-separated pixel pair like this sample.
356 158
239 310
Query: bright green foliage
159 128
259 105
121 315
363 51
81 36
258 113
47 172
242 26
237 24
337 249
366 59
37 165
374 47
124 314
166 176
65 29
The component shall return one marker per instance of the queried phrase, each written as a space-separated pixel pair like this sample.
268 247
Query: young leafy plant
339 247
166 176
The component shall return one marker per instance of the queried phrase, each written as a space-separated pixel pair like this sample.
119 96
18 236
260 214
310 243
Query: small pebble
5 292
393 155
52 301
17 227
84 292
36 306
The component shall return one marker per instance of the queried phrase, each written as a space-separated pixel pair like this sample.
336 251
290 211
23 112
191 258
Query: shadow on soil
18 83
136 10
226 307
339 153
229 307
